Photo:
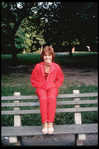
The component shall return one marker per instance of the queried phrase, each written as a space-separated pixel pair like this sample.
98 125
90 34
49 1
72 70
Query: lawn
79 59
13 81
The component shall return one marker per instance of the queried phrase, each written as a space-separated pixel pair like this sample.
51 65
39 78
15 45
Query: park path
87 76
55 140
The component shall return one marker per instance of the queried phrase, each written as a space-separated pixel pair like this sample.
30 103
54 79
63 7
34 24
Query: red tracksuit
47 89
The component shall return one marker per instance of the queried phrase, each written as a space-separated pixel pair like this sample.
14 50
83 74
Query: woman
47 77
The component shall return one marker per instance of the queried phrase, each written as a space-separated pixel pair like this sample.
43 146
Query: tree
60 23
27 36
70 21
12 15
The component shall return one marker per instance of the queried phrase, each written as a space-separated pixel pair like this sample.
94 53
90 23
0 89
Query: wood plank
77 109
16 120
59 96
62 110
77 95
78 120
20 112
19 97
77 116
21 104
59 129
77 102
58 103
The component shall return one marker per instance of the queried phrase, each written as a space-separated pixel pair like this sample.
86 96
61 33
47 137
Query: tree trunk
70 49
22 13
70 52
13 48
14 53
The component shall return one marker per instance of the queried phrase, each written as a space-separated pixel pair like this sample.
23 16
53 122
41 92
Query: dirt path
16 75
88 76
54 140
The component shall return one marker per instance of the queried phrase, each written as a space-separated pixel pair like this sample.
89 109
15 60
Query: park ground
75 71
80 72
17 77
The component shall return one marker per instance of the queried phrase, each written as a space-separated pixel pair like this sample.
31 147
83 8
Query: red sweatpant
47 103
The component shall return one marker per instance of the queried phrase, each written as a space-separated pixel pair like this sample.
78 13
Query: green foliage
34 23
20 39
27 37
12 15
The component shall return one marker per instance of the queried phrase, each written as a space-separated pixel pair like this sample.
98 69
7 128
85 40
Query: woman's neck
47 64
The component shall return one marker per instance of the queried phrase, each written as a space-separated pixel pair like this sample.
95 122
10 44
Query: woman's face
47 58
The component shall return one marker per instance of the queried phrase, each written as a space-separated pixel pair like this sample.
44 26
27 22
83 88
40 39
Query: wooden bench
17 131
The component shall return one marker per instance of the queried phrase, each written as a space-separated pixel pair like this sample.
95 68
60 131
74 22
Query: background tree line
29 25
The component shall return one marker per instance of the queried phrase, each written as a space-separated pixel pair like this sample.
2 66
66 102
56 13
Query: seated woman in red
47 77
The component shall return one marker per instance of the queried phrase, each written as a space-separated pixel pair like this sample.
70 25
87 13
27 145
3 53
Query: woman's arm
59 79
35 77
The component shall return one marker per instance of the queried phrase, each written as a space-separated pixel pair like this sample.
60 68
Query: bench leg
19 142
17 122
77 118
77 141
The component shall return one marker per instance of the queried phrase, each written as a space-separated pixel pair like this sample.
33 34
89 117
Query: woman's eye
47 55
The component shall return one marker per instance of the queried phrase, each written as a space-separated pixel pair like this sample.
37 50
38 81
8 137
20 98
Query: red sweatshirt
55 77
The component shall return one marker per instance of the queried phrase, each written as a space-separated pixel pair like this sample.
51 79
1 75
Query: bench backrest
58 110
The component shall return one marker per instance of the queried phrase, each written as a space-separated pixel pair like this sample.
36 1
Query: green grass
23 59
13 83
82 59
24 90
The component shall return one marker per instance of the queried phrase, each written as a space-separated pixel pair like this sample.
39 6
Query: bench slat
77 102
59 129
19 97
59 96
77 95
77 109
57 110
58 103
21 104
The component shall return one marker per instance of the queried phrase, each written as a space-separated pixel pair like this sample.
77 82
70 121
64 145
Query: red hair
49 50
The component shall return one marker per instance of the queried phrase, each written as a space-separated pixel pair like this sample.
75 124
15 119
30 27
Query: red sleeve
59 78
34 77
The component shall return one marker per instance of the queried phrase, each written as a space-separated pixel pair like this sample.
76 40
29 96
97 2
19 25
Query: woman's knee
42 94
53 93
